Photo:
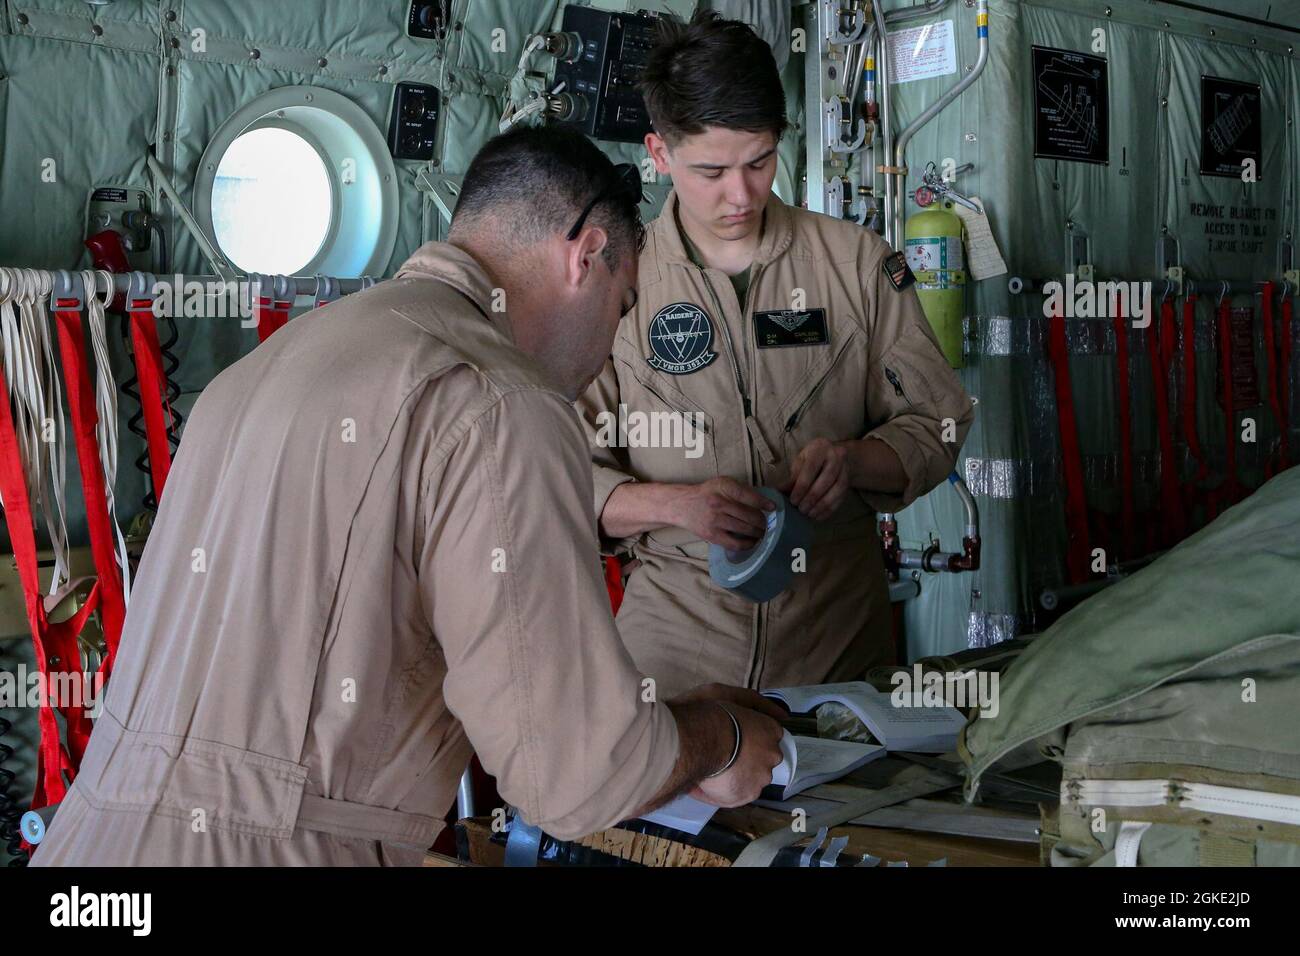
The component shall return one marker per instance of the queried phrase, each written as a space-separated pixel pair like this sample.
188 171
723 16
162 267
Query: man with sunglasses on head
795 342
376 554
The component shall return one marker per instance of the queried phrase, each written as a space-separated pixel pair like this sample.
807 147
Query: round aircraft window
272 202
299 181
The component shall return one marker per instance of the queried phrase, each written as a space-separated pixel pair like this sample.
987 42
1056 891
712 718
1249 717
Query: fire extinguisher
937 259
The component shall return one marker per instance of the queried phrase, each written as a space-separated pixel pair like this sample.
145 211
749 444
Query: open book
806 762
923 729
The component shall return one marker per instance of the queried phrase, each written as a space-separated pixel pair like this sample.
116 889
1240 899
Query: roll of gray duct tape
767 569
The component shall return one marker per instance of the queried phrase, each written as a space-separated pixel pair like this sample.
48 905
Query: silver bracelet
735 752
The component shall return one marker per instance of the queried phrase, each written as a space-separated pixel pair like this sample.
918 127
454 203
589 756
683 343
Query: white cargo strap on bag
1128 841
106 408
1206 797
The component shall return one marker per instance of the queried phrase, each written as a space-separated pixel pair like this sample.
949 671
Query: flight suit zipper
892 377
731 347
793 420
755 442
758 661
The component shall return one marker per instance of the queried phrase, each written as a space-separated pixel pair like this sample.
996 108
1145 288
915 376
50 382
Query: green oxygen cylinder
937 259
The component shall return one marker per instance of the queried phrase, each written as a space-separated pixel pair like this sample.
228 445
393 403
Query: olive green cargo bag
1172 702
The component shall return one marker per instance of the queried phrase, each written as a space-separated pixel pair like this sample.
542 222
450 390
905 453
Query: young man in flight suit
812 371
376 553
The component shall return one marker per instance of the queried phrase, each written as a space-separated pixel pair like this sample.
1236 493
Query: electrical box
112 207
413 125
428 19
603 78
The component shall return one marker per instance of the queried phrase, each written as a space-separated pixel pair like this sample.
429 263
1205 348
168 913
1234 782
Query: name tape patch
791 327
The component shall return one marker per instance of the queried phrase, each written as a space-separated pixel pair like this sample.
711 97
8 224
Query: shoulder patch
681 339
900 275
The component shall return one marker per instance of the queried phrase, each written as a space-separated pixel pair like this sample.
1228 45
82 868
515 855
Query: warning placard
1071 106
1230 127
919 53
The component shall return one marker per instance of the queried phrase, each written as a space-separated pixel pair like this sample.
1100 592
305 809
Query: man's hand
760 751
725 512
727 694
819 478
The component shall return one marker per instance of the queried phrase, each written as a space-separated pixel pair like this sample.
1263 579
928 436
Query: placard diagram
1230 127
1071 106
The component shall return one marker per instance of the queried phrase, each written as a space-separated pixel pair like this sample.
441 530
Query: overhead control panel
599 85
413 125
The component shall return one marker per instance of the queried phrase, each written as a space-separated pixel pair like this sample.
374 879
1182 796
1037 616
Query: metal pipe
465 795
886 130
1019 285
972 529
932 559
1055 598
892 17
304 286
300 286
1052 598
867 48
935 108
219 263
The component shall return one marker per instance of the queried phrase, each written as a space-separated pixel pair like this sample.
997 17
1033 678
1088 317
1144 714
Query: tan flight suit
376 541
825 347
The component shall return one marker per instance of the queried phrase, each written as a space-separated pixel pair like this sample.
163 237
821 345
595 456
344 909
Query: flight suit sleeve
598 411
536 671
914 399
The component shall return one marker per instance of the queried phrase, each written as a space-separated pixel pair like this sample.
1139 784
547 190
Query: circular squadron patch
681 337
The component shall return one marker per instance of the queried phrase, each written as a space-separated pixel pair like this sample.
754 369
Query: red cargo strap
614 583
52 757
85 419
1079 549
1278 462
1159 346
1229 491
1129 509
153 399
272 309
1189 398
1288 337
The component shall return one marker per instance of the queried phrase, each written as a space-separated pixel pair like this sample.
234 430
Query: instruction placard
1230 127
1071 106
919 53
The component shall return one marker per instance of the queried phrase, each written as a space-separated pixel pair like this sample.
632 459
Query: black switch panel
413 126
614 51
428 19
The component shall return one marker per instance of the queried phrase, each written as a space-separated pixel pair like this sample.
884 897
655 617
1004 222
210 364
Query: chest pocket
829 401
666 436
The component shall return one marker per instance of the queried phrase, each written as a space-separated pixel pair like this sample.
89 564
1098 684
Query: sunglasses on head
626 185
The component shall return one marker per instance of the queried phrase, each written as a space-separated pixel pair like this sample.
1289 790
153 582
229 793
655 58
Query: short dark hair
541 178
712 72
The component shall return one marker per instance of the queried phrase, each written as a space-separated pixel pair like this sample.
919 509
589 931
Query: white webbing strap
1205 797
1128 841
106 406
38 399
